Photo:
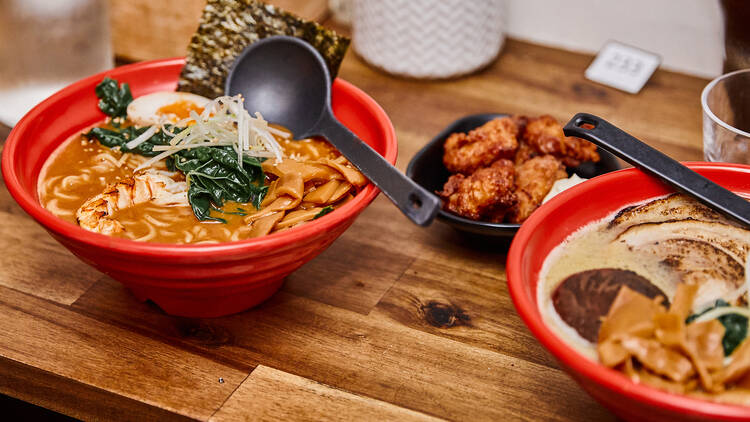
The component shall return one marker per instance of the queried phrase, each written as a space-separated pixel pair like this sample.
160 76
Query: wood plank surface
463 305
272 395
77 399
148 30
369 355
32 261
78 349
391 322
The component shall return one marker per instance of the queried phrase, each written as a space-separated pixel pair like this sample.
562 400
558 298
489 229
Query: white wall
688 34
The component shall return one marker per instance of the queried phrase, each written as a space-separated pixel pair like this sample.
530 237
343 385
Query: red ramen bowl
547 227
188 280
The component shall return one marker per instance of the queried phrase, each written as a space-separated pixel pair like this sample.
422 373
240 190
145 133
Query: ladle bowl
287 81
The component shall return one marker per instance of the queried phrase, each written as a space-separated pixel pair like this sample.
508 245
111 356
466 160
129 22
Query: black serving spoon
637 153
287 80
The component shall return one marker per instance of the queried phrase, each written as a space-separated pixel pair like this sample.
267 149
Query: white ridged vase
428 38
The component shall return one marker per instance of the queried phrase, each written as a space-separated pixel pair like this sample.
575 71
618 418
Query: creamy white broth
597 246
592 247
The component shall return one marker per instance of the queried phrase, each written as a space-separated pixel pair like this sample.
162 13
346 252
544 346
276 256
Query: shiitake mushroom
584 298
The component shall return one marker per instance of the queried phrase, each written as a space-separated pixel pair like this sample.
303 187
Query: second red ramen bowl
187 280
547 227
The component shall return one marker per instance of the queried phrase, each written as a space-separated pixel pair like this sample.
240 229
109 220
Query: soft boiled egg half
169 106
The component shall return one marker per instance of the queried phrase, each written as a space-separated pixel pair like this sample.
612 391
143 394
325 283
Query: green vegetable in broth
113 98
323 212
120 136
735 326
214 177
736 331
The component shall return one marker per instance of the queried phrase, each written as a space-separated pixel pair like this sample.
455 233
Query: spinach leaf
735 327
119 136
736 331
113 99
323 212
214 177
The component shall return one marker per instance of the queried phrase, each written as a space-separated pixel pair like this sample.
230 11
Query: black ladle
287 80
637 153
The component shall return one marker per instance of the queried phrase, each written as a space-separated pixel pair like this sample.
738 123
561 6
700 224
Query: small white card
623 67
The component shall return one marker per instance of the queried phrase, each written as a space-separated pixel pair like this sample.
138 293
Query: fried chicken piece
486 193
545 136
496 139
534 179
521 121
524 153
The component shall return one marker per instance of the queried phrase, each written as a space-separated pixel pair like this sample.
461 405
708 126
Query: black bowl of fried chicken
493 170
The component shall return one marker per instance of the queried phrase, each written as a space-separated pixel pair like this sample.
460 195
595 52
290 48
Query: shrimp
96 214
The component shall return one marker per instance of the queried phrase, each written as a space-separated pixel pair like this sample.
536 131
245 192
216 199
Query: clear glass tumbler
45 45
726 118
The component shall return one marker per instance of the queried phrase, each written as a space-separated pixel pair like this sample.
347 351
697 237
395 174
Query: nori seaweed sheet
228 26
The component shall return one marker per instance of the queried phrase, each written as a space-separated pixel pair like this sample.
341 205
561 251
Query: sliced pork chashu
673 207
732 240
709 254
718 275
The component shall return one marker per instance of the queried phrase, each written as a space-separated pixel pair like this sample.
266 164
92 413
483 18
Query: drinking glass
726 118
45 45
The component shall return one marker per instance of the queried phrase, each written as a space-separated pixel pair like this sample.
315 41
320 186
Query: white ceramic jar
428 38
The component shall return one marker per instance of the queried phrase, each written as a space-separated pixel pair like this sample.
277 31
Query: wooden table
391 322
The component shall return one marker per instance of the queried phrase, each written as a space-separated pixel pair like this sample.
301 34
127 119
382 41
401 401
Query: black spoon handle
637 153
414 201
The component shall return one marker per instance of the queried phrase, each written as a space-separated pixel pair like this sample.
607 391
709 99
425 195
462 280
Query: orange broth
80 169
